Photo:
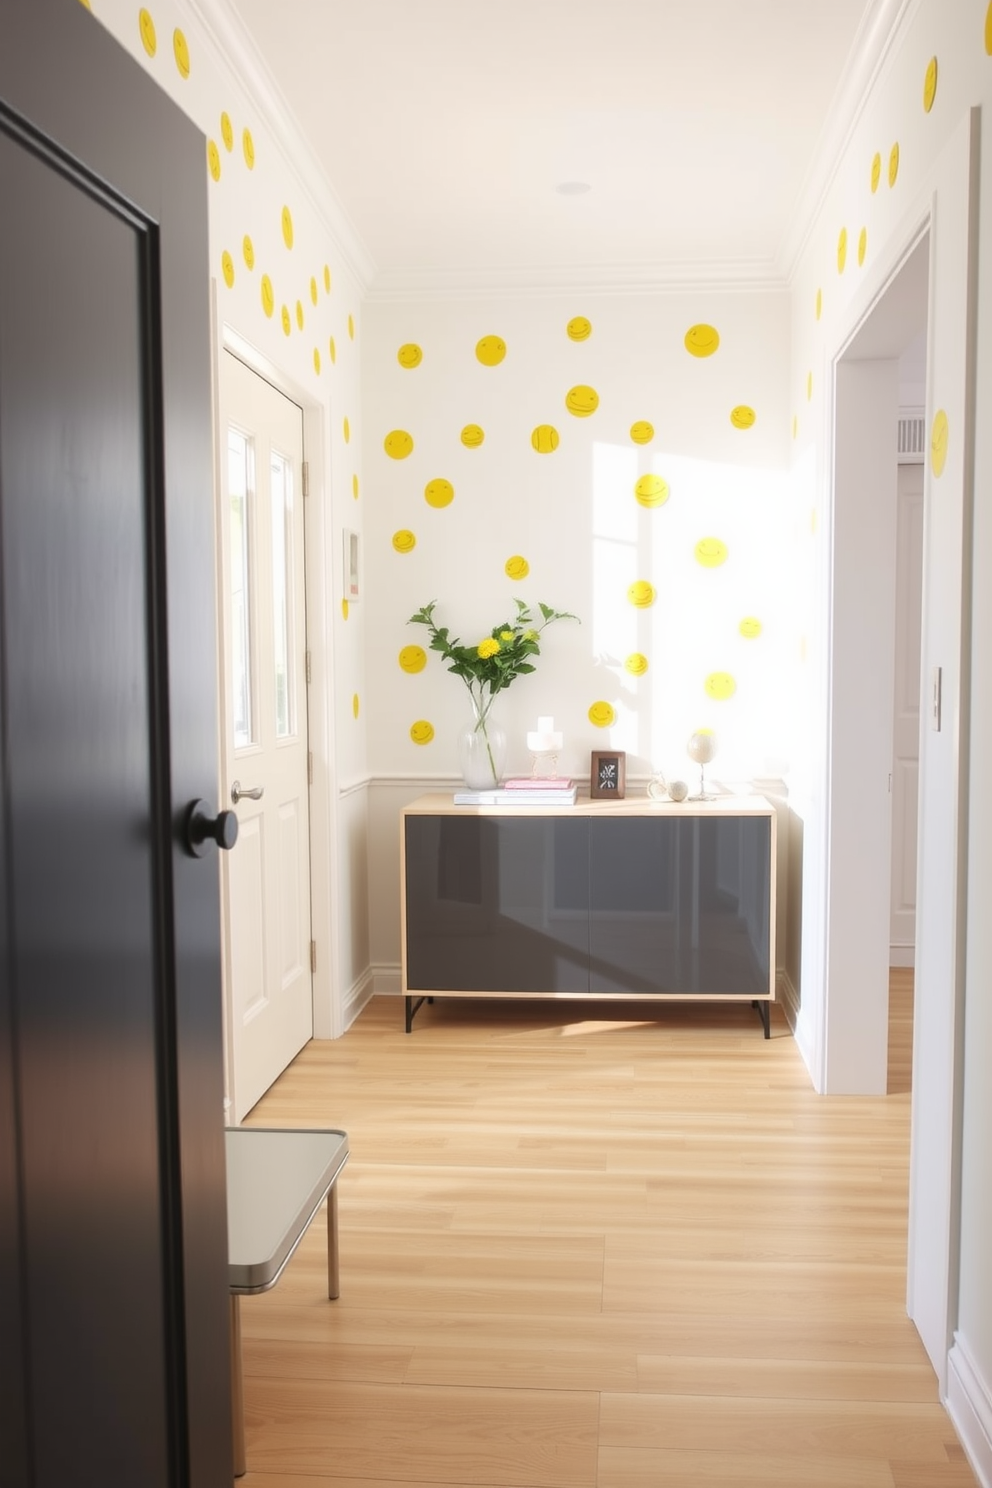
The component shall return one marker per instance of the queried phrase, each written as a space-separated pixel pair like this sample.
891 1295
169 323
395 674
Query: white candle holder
544 743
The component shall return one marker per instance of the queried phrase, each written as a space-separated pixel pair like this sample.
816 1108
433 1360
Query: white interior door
265 765
906 713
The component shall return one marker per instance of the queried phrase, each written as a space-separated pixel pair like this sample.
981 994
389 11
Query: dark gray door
113 1268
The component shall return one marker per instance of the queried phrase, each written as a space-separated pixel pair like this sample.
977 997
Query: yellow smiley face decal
180 51
578 328
862 246
327 279
720 686
268 297
750 627
299 314
354 705
248 251
582 401
346 430
146 30
641 594
651 490
516 567
313 290
702 340
636 664
354 486
286 220
248 148
332 350
227 132
351 327
409 355
316 361
939 435
412 659
344 609
472 436
422 732
642 432
809 386
404 540
213 160
710 552
544 439
876 171
602 715
439 492
842 250
397 443
894 163
287 321
930 85
491 350
819 303
227 268
742 417
988 30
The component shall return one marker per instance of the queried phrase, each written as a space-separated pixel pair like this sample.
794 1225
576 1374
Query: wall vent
911 437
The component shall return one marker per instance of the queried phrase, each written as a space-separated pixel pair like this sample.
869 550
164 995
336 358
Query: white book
500 797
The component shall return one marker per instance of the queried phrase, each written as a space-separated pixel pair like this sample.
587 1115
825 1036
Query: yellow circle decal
146 29
354 705
582 401
346 430
516 567
988 29
404 540
636 664
410 355
720 686
332 350
213 159
651 490
939 435
421 732
439 492
876 172
702 340
299 314
750 627
180 51
472 436
642 432
268 297
819 303
248 147
287 227
316 361
287 321
491 350
327 279
545 439
578 328
227 268
602 715
227 132
248 251
344 609
351 327
313 290
862 246
742 417
842 251
412 659
710 552
398 444
930 85
354 486
893 163
641 594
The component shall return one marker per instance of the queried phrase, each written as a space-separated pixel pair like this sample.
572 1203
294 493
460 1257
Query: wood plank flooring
581 1248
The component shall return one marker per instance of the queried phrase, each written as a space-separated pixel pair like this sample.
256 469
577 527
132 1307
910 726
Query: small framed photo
352 586
608 775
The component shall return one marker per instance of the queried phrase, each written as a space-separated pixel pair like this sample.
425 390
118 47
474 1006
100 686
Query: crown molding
394 285
881 24
235 53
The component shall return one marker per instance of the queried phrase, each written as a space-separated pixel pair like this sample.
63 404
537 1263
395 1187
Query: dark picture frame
607 775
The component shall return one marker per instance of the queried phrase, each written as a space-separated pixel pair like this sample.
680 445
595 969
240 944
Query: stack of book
522 790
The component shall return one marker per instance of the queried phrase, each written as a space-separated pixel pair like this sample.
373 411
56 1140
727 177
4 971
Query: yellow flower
530 635
506 635
488 648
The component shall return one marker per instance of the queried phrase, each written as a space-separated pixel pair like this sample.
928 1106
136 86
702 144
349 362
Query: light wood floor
582 1250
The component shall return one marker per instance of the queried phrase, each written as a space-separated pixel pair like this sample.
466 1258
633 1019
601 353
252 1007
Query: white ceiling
703 128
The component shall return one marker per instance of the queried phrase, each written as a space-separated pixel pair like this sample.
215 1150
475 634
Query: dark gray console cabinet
633 900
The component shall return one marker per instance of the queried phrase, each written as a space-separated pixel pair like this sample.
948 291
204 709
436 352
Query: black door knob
202 828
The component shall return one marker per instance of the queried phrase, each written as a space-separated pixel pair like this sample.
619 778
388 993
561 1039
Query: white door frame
327 1015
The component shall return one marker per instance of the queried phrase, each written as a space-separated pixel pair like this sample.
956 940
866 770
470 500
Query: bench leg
237 1390
333 1282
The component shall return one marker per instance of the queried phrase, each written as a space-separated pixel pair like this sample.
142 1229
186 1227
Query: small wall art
607 775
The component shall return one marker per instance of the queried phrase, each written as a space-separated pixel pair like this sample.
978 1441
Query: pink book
538 782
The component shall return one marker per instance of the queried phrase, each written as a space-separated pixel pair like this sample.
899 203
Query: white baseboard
787 995
387 979
358 994
902 955
969 1405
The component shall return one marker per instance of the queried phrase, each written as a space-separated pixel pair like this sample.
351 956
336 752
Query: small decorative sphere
678 790
701 747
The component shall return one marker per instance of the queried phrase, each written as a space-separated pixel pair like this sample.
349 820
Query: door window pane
281 477
240 485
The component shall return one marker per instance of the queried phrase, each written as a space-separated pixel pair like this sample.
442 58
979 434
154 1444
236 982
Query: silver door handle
238 792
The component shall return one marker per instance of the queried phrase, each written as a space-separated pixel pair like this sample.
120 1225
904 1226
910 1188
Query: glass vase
482 744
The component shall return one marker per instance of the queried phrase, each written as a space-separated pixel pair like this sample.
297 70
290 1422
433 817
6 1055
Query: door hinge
313 955
308 669
309 767
306 479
